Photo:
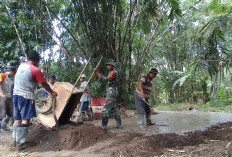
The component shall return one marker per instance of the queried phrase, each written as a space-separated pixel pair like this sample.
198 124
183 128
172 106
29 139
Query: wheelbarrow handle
54 113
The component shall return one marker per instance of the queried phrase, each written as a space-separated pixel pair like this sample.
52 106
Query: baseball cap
83 75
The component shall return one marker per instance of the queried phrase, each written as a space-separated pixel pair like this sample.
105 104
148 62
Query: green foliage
211 106
98 89
180 81
221 94
188 41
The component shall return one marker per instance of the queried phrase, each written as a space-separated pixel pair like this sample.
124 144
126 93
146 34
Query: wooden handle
80 76
99 62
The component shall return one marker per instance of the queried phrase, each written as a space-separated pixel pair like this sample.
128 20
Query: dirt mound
154 145
72 136
78 136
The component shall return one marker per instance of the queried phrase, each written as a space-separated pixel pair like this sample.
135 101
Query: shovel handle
99 62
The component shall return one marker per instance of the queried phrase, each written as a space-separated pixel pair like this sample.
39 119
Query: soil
158 144
72 136
214 141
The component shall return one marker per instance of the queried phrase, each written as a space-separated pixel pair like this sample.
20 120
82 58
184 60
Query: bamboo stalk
17 32
80 75
62 23
99 62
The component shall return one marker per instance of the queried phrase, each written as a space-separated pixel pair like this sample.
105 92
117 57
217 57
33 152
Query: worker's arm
38 75
109 77
88 91
2 79
97 72
48 88
140 89
1 91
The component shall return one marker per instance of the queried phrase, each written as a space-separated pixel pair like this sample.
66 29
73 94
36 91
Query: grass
211 106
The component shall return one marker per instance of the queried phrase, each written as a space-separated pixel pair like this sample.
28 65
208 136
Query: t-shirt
5 83
85 96
146 85
26 79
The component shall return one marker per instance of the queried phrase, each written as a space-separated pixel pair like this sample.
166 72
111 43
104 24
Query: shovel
152 110
54 114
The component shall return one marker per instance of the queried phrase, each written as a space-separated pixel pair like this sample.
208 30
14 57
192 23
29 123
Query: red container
97 106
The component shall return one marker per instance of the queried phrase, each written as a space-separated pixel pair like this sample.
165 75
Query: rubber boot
82 116
89 113
118 120
14 134
11 124
104 122
148 121
4 123
141 120
21 136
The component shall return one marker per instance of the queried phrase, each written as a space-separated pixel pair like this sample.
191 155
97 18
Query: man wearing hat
27 77
141 97
6 104
85 99
51 82
111 95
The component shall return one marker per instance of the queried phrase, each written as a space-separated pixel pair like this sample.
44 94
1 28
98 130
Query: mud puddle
172 122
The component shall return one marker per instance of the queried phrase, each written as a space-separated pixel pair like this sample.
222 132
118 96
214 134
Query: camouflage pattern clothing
111 93
109 107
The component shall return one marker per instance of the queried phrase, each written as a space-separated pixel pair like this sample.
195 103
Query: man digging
26 79
141 97
109 107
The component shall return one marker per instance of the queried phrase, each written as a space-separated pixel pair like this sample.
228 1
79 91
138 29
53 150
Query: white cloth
85 96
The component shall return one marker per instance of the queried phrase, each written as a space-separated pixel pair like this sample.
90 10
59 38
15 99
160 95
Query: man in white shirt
85 99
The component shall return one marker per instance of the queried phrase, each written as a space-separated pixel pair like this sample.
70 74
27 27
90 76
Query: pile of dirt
155 144
69 137
78 136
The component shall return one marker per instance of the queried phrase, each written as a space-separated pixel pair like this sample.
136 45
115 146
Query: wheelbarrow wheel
43 101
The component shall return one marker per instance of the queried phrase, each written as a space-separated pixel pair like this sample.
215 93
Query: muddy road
176 134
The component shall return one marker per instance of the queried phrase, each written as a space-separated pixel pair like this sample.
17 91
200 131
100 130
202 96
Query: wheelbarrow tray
64 107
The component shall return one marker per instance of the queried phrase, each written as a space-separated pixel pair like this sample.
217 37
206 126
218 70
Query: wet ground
176 134
178 122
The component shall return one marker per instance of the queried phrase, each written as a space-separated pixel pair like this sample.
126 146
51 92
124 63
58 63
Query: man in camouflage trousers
109 107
